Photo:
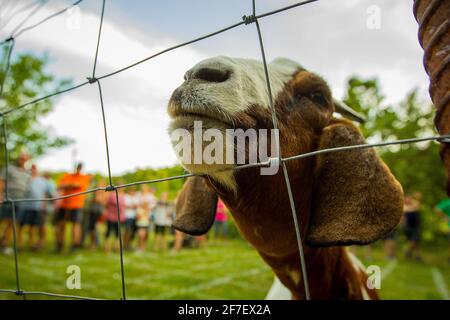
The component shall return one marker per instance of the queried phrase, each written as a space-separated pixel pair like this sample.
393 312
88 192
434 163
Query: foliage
171 186
417 166
27 80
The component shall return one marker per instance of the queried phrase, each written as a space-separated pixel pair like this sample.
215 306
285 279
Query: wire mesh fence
93 79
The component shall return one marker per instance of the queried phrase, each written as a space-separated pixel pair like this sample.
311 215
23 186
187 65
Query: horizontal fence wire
48 294
271 161
280 161
38 7
17 32
6 9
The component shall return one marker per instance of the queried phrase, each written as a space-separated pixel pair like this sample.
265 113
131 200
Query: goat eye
318 97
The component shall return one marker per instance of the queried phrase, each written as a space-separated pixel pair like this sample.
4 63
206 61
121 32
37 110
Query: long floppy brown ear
356 198
196 207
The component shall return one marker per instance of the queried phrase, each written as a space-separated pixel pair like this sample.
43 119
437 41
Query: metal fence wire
95 79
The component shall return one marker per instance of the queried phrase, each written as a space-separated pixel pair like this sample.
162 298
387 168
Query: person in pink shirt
220 222
111 218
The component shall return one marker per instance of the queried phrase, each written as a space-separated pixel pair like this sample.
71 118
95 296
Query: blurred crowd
94 216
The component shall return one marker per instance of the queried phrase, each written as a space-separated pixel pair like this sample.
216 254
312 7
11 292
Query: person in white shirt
132 199
163 217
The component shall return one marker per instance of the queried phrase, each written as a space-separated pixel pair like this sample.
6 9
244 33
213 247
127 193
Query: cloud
332 39
135 100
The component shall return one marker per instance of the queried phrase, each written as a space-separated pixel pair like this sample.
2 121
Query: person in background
390 245
112 217
71 208
200 241
48 207
95 209
443 210
147 202
220 222
412 224
163 216
38 188
18 180
178 242
131 206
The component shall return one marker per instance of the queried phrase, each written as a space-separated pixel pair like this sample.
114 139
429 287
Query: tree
26 80
418 167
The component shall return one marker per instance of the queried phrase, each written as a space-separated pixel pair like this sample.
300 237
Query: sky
336 39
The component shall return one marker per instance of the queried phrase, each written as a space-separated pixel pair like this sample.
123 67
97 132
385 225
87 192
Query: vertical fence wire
7 199
9 202
12 12
98 39
279 160
105 131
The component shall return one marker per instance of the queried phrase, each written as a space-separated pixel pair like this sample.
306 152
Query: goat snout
215 74
223 89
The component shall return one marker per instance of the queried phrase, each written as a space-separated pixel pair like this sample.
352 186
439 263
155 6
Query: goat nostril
212 75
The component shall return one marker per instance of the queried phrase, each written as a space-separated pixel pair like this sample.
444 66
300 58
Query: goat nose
210 74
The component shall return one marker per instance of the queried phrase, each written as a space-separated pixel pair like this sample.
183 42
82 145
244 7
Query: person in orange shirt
70 208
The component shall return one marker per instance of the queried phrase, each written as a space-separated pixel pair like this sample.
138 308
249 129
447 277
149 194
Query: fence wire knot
110 188
249 19
92 80
275 161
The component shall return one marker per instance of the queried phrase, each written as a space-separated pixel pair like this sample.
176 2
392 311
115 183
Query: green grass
409 279
220 270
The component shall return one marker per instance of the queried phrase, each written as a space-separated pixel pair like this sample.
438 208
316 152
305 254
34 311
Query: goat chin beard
220 171
222 174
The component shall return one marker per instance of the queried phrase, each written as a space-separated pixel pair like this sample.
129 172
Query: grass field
220 270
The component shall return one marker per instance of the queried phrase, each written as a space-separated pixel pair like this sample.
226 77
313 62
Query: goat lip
198 116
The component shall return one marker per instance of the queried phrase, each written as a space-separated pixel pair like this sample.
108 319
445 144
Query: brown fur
193 201
340 198
358 187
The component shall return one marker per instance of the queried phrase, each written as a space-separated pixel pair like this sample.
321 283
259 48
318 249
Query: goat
341 198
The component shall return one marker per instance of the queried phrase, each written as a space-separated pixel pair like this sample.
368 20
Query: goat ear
356 198
196 207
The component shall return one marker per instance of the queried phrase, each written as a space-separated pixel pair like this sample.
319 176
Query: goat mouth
200 117
181 116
